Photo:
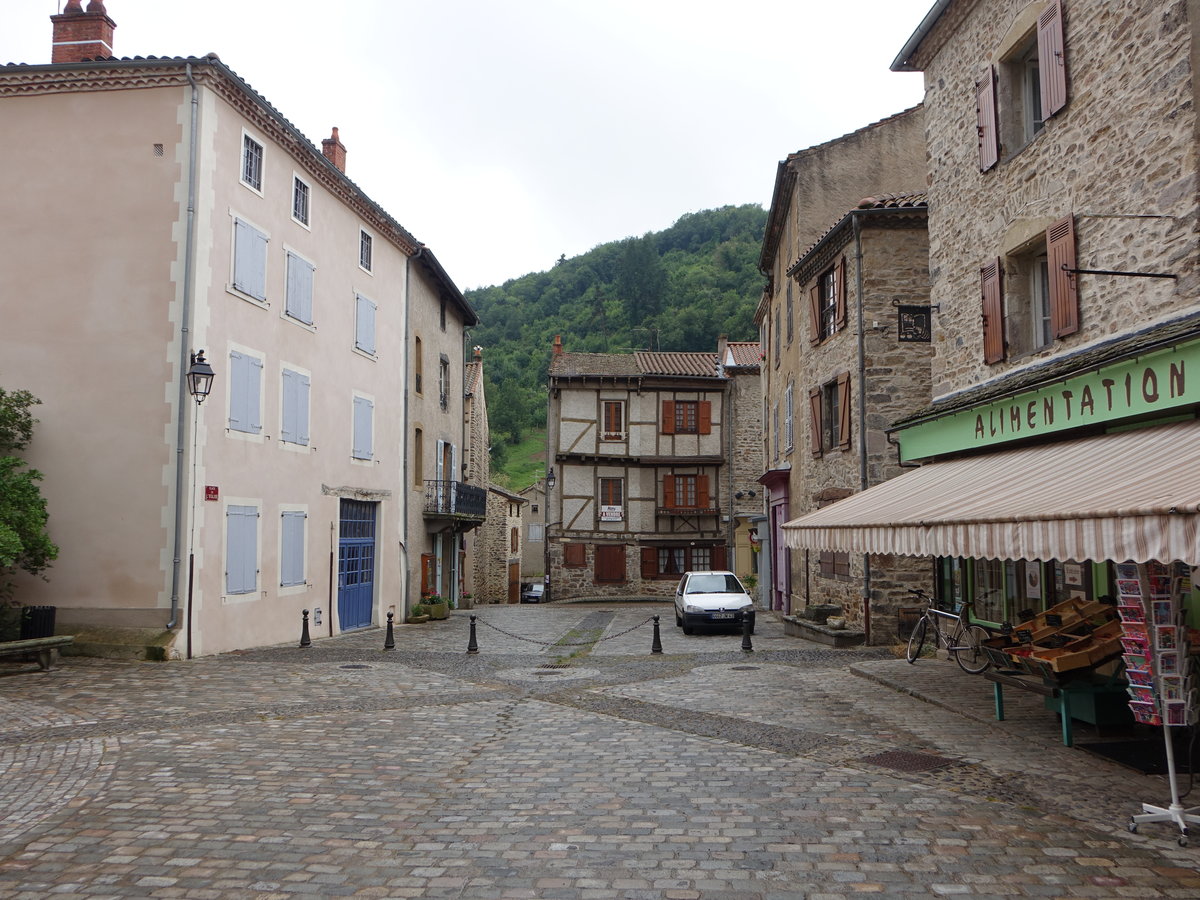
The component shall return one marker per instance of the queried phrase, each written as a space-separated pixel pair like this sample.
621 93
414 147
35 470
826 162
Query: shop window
574 556
827 304
610 564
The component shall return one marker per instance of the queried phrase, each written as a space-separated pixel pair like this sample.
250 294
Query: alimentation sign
1159 382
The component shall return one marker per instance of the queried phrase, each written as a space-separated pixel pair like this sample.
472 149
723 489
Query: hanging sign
914 324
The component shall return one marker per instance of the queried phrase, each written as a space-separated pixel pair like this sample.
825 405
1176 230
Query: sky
506 133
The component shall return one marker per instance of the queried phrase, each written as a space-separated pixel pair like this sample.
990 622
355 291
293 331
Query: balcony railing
455 500
688 511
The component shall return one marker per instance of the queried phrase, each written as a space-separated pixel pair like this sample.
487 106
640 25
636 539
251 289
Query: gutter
903 61
405 486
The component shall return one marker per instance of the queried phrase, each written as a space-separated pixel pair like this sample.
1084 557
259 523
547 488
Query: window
536 533
298 304
790 313
514 540
610 564
241 549
775 431
300 192
249 260
829 407
245 392
611 499
687 417
442 313
613 418
418 458
778 337
418 364
364 412
827 303
574 556
689 492
364 250
364 324
788 414
444 382
1030 298
291 547
672 562
252 163
835 564
294 410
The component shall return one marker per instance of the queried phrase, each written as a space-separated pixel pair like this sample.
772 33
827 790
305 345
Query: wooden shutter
814 407
839 285
719 558
610 564
989 134
993 312
1064 292
669 491
649 562
291 566
668 417
249 260
363 412
574 555
290 405
1052 59
364 331
814 313
844 431
241 549
702 492
428 573
704 416
298 303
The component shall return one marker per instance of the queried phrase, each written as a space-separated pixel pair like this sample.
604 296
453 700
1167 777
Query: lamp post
550 480
199 381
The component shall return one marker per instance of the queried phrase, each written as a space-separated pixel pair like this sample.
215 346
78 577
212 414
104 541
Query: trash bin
37 621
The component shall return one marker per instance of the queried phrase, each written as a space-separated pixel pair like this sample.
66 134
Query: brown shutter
1052 59
993 312
702 492
668 417
574 555
843 388
1064 293
814 313
649 562
839 285
814 408
610 564
720 559
428 570
704 416
669 491
989 137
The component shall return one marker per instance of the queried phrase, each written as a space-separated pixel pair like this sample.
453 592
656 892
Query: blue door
356 564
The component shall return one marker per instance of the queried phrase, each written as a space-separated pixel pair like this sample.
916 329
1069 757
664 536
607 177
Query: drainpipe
404 485
862 411
184 401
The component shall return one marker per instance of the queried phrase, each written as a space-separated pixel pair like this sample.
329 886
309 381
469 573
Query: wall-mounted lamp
550 479
199 377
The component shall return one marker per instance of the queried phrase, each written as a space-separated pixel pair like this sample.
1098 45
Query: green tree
25 544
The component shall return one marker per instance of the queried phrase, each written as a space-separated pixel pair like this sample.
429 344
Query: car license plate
722 615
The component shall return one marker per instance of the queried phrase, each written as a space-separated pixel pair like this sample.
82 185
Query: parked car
712 598
533 593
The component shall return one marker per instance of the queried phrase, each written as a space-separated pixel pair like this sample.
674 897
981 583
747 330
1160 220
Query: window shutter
428 572
574 555
814 313
1064 292
249 260
704 416
669 491
302 393
720 558
702 492
237 391
241 549
363 409
288 430
993 312
668 417
364 334
839 281
844 431
989 134
1052 59
814 407
649 562
291 569
299 289
610 564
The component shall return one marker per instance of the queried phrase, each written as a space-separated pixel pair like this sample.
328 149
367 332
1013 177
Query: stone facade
477 470
497 580
740 362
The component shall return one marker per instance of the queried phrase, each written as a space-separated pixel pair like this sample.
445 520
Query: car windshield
713 584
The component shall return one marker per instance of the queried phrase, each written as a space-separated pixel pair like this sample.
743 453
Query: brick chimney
335 151
80 35
558 347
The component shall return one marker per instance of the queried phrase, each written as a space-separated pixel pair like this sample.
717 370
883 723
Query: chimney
80 35
335 151
558 348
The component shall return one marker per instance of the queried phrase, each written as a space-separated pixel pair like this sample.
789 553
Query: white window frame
297 181
366 241
293 511
242 596
286 443
235 287
358 399
247 139
255 431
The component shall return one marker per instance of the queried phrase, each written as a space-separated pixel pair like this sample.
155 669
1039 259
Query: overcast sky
503 133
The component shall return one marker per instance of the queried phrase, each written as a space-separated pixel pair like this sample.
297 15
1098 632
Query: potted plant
419 614
437 606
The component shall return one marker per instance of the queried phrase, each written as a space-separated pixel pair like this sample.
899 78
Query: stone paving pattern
545 766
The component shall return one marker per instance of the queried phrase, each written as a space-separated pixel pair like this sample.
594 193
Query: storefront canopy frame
1132 495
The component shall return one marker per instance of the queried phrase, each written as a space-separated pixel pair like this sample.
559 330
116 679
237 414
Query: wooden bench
44 648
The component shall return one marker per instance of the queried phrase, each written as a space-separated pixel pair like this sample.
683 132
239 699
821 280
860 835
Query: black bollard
472 644
747 624
656 644
305 640
389 643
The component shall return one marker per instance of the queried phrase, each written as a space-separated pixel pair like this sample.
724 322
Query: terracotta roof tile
567 365
745 353
694 364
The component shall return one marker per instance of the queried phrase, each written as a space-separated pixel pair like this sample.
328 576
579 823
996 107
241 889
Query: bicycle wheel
969 652
917 641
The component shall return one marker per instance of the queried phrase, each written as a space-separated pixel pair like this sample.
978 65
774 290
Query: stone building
808 326
1063 174
739 362
498 548
477 469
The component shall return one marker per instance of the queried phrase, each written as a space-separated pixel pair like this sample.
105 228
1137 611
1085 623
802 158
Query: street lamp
550 479
199 377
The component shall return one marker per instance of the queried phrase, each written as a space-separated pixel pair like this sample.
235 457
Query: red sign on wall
212 492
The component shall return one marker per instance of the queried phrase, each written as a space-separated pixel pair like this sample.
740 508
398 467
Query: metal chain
561 644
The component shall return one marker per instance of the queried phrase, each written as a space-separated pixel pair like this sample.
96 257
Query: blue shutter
295 407
254 369
363 410
241 549
250 260
364 334
291 567
245 375
299 289
302 388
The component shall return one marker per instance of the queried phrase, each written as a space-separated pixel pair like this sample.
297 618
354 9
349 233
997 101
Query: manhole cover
907 761
745 668
355 666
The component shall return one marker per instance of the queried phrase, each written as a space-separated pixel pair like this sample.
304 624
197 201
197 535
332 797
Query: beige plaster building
180 212
533 546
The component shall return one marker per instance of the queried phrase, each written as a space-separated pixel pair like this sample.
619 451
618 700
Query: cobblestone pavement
547 765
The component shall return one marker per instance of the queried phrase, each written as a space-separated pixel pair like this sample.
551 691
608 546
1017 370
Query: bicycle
963 641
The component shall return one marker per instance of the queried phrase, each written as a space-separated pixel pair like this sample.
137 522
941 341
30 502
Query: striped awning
1132 495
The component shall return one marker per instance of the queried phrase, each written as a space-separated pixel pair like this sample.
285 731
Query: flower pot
416 620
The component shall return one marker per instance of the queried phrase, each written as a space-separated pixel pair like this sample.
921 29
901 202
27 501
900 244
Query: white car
712 598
